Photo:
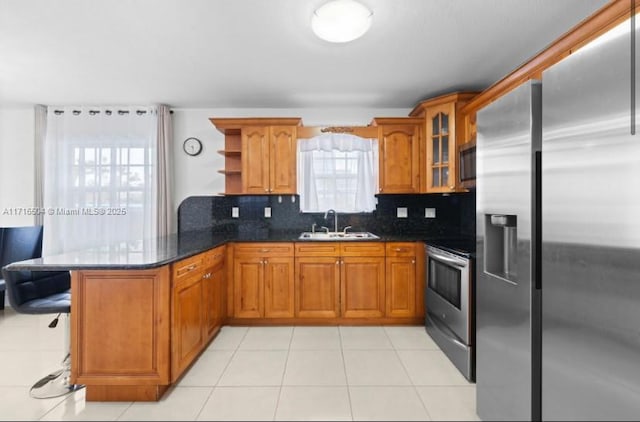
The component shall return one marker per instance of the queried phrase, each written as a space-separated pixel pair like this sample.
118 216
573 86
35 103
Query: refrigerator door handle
536 256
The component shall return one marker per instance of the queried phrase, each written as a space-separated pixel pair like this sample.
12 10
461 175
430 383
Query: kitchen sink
337 236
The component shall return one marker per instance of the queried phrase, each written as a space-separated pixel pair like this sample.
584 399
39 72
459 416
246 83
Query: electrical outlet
267 212
429 213
401 212
235 212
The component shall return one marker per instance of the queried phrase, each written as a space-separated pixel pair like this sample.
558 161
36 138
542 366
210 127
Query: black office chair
18 244
39 292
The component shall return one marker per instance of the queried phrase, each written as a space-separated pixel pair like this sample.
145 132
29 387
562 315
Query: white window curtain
337 171
164 198
40 133
101 177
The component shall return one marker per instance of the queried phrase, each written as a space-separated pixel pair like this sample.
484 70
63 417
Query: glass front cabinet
441 136
445 129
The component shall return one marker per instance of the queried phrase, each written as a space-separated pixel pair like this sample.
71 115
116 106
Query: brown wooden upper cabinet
269 159
260 155
400 142
445 129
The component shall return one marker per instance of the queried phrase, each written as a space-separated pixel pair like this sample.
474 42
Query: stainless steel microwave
467 160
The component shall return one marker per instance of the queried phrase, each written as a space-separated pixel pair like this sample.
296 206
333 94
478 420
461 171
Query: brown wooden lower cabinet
363 287
402 276
120 332
213 291
317 289
340 280
134 333
263 280
248 276
401 287
278 287
187 322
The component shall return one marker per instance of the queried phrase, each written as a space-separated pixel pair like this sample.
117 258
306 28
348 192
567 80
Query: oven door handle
446 331
455 262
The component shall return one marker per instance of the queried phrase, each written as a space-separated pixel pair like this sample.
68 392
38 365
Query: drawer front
215 257
401 249
362 248
264 249
189 266
317 249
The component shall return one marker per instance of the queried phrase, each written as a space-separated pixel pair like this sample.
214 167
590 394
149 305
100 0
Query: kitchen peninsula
141 314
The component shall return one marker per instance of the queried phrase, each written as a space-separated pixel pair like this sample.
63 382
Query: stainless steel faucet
335 219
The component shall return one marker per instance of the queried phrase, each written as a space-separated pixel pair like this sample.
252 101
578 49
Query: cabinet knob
399 249
338 262
264 250
266 190
413 261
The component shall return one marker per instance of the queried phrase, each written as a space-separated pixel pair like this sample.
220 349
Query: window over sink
337 171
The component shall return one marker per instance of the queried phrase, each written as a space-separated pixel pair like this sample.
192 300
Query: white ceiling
262 53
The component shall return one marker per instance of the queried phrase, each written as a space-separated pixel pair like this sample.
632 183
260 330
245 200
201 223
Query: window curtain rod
107 112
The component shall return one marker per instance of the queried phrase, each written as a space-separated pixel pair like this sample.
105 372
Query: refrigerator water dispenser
501 246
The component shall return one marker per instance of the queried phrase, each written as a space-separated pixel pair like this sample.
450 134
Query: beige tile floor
258 373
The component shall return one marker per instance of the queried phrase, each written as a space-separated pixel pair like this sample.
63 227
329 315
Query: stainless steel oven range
449 302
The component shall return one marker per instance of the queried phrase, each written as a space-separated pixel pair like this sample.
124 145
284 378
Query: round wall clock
192 146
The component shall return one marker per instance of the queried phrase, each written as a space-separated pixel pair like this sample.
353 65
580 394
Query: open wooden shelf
230 153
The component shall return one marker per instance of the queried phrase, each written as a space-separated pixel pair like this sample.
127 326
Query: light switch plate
267 212
235 212
429 213
402 212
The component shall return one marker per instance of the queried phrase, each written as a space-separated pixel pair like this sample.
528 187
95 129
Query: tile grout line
119 418
286 363
346 377
406 371
213 388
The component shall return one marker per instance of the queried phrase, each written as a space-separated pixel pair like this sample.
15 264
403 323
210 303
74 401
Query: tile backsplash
455 215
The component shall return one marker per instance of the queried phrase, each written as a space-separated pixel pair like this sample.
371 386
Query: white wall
199 175
16 165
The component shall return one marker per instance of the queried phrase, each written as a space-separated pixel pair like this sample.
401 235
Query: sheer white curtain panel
40 133
100 177
337 171
164 200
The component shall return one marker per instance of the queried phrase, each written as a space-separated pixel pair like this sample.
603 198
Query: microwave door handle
448 260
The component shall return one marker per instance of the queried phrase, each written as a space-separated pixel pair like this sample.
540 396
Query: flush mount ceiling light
341 21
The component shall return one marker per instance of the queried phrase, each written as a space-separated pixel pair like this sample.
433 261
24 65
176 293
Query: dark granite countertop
152 253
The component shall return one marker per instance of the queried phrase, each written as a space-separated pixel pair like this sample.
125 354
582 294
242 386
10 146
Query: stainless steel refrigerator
506 299
558 220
